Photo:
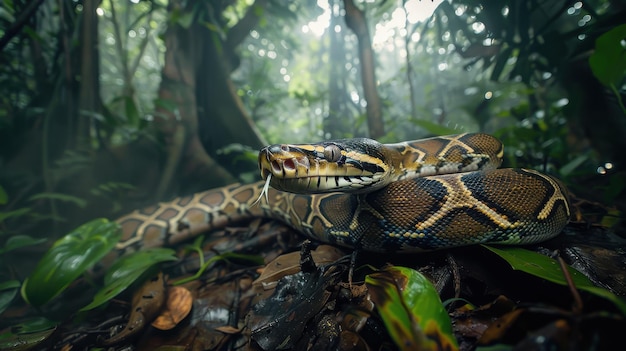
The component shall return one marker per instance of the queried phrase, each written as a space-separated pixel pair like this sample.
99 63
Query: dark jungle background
107 106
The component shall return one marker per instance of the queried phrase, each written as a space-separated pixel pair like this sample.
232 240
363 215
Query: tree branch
19 23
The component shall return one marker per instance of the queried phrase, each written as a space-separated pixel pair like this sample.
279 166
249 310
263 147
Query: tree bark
177 115
355 19
224 119
89 96
336 124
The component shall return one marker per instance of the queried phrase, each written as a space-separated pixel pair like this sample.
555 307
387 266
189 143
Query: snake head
349 165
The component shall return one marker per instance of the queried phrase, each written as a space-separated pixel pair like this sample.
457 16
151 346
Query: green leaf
28 334
60 197
411 309
549 269
68 258
612 218
4 198
18 241
227 256
501 61
132 111
8 290
569 167
14 213
185 20
126 271
608 61
434 128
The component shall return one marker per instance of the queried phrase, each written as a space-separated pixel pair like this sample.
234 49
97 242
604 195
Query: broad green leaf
8 290
126 271
27 335
608 61
411 309
68 258
549 269
18 241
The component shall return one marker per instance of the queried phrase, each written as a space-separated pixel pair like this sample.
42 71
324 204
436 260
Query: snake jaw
319 168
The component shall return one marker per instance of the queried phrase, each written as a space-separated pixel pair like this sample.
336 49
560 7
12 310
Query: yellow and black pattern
508 206
421 208
364 165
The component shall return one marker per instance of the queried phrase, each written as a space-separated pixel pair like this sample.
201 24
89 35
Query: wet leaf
549 269
289 263
126 271
68 258
177 307
411 309
496 330
277 322
147 302
472 321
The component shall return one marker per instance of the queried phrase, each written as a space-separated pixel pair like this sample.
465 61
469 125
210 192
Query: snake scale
407 197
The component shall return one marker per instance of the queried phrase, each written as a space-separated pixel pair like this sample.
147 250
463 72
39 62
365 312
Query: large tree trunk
339 121
223 116
208 113
177 114
355 19
89 96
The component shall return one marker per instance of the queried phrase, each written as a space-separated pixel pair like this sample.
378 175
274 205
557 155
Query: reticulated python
412 196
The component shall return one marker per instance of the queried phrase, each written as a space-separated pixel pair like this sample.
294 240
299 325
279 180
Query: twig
578 302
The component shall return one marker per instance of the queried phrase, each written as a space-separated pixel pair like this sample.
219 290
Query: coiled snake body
407 197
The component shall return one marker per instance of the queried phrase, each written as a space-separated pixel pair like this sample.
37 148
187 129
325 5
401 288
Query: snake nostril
289 164
276 167
304 161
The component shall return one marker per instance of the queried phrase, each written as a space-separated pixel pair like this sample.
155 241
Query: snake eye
332 153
